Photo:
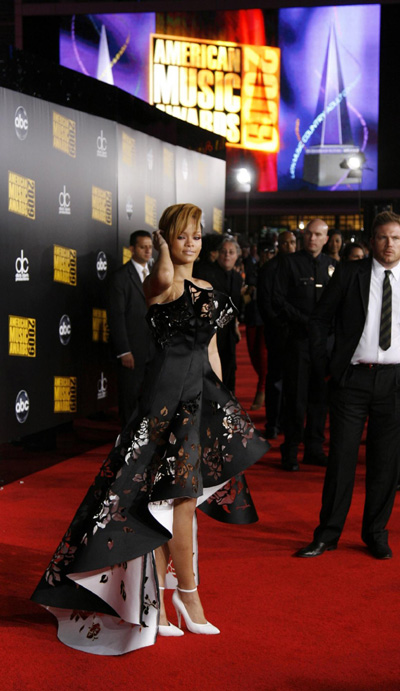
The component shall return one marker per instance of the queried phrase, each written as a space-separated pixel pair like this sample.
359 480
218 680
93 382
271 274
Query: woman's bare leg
162 559
181 549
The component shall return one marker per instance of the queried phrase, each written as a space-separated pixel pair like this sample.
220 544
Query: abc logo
101 141
102 386
101 265
22 264
64 329
22 406
21 123
64 199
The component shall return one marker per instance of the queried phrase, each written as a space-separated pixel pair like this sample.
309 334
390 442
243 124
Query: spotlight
353 162
243 177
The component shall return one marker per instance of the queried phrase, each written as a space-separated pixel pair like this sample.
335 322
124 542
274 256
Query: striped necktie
385 332
144 273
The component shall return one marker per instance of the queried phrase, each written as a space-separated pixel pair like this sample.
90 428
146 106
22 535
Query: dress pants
273 381
258 354
372 393
305 402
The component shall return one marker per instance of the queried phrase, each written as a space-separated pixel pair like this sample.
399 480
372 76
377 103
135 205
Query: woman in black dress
186 444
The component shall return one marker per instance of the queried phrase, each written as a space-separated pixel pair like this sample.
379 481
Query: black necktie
385 332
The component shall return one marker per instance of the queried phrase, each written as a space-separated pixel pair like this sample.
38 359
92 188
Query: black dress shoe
270 432
316 548
289 459
380 550
316 459
289 466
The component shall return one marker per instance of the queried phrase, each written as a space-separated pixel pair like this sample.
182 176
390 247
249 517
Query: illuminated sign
102 205
65 394
64 134
22 336
100 330
218 220
65 265
150 211
227 88
128 147
21 195
126 255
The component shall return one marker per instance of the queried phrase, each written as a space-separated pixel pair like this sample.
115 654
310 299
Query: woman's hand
158 240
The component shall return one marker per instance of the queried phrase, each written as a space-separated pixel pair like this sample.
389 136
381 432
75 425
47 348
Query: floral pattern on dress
215 458
64 555
236 421
92 628
234 494
109 511
210 307
140 438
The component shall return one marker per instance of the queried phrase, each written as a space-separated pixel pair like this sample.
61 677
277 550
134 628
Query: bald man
300 281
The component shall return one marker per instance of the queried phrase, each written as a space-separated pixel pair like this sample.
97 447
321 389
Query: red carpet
318 624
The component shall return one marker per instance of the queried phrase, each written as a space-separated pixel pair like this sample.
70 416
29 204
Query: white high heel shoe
182 611
169 629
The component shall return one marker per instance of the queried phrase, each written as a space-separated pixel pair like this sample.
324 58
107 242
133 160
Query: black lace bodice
197 312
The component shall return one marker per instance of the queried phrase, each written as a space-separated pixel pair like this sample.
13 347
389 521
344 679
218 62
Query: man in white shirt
129 333
364 299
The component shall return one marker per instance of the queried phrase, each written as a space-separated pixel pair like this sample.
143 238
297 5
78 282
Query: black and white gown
189 438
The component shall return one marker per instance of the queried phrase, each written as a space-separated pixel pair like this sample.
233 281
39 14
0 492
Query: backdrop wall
73 186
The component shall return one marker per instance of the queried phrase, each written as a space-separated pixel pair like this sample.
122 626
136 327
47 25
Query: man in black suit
223 277
129 332
300 281
275 333
364 299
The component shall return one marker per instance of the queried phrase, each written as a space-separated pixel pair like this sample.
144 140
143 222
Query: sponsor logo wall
72 188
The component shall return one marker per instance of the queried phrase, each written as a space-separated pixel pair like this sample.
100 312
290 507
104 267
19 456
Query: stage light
243 177
301 225
354 162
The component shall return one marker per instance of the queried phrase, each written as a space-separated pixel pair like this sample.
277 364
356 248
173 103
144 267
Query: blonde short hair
176 218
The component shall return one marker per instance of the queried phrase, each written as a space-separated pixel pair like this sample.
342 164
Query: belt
373 365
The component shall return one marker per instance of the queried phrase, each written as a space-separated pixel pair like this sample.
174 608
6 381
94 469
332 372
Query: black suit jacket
265 290
345 300
276 329
295 293
126 313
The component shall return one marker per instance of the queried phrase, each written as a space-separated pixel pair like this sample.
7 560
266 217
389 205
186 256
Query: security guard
300 281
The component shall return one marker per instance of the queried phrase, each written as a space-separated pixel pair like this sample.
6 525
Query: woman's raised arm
159 281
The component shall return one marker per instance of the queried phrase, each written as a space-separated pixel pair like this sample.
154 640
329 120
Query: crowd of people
320 319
